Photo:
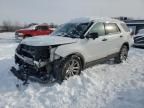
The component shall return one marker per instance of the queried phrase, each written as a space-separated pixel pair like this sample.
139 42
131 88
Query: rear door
114 38
38 31
45 30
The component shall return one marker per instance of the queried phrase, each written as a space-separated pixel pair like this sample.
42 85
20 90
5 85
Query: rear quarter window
44 27
125 27
112 28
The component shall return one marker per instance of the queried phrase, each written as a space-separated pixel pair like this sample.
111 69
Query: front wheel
123 54
71 66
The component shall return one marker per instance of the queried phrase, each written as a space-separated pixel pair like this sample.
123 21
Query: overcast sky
60 11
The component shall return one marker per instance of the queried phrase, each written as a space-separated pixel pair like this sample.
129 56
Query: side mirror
92 35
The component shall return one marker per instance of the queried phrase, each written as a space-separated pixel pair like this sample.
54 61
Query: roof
95 19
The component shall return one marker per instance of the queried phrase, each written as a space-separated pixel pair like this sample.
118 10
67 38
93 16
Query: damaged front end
33 63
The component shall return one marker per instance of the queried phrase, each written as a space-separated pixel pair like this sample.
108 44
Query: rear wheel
123 54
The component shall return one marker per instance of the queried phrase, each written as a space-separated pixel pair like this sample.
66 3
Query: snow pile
7 45
102 86
8 36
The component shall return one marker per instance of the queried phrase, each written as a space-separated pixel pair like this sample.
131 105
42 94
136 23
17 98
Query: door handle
121 36
104 39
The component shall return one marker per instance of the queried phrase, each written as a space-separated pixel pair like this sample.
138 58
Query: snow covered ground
102 86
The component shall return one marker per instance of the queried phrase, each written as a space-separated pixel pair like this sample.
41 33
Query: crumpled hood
47 40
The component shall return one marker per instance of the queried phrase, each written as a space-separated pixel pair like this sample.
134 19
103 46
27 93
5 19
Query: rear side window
125 27
111 28
42 28
98 28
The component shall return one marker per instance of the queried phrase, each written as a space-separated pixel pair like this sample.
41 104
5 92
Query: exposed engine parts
33 63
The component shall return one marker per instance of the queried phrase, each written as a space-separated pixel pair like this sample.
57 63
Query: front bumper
23 75
30 61
139 41
34 64
28 69
17 37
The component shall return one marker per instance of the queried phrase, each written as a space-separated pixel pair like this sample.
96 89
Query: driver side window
98 28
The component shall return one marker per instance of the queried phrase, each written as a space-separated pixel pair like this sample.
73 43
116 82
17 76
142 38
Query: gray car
139 39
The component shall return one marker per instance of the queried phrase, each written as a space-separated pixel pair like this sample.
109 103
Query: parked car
73 47
136 25
139 38
36 30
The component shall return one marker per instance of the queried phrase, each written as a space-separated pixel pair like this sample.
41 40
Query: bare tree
7 26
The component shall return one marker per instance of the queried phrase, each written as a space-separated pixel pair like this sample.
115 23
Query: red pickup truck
36 30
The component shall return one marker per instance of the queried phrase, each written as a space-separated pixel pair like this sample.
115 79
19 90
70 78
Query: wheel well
126 44
80 57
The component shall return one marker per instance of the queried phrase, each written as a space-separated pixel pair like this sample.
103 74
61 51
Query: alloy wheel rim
72 69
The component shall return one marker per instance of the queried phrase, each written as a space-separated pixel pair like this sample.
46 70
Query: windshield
72 30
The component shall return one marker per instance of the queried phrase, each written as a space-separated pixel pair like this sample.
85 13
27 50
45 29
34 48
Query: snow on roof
95 19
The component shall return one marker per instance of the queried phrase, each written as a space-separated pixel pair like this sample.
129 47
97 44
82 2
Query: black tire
123 54
69 67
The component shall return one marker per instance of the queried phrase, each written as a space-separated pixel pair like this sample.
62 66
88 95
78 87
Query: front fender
66 50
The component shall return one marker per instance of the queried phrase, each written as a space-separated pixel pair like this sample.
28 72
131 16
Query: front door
96 48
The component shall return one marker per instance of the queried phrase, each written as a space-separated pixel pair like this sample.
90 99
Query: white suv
72 47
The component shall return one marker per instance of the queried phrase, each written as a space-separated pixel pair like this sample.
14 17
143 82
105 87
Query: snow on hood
47 40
